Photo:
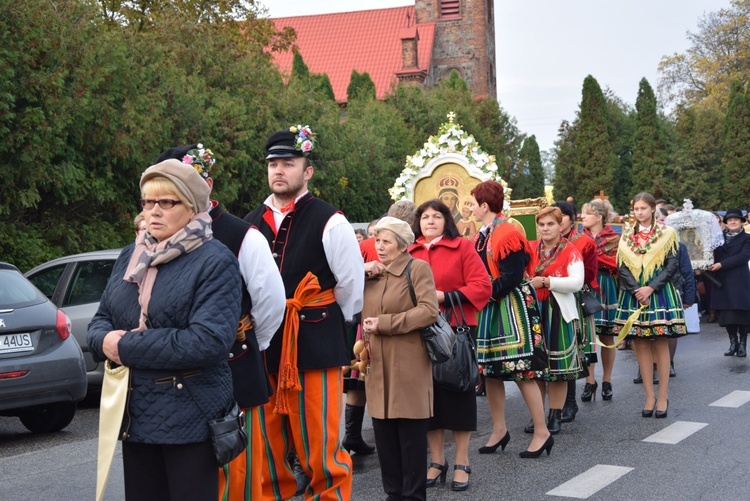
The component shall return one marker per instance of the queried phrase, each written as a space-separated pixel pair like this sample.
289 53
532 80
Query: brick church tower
464 41
416 45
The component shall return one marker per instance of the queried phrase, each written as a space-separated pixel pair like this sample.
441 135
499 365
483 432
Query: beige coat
399 384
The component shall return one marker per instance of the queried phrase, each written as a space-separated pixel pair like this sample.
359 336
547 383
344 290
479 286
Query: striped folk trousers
312 429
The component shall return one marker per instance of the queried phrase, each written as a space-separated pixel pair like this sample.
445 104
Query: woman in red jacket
458 271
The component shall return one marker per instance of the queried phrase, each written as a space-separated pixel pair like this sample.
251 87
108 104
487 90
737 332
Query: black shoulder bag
589 303
228 434
461 372
438 337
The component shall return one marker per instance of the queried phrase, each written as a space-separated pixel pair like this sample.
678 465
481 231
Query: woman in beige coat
399 377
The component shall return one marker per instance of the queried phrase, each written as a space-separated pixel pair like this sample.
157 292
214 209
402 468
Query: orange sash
308 293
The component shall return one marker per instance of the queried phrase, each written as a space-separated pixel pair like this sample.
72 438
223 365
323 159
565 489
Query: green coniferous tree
622 127
698 156
534 171
736 147
651 171
300 71
596 162
565 161
360 86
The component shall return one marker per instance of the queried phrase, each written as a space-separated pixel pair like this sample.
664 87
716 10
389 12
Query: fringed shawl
607 241
653 258
504 238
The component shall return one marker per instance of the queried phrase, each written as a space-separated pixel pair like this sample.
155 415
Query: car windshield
16 291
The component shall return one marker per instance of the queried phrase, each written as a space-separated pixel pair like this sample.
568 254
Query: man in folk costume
318 256
263 301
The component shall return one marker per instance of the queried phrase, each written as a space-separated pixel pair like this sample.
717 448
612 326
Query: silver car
76 284
42 374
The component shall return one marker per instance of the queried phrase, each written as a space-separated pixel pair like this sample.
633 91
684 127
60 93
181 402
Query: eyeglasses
164 203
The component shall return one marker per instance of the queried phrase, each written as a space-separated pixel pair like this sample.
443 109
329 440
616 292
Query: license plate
12 343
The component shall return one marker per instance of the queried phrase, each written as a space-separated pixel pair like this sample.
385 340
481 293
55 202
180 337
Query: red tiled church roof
366 41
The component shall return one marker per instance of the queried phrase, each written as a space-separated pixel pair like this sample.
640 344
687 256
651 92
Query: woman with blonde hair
596 216
649 307
170 313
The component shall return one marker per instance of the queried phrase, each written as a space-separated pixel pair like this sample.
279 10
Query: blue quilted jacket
193 316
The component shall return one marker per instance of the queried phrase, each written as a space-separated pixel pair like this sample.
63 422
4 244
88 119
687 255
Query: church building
419 44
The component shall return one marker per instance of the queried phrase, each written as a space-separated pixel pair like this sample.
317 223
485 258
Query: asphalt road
609 443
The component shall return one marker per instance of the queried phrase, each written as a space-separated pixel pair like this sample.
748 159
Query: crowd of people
282 312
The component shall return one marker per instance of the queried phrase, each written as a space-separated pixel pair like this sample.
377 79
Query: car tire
49 418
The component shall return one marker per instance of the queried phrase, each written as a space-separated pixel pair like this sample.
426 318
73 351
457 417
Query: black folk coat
734 275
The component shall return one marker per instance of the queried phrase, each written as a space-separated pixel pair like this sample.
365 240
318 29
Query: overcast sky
545 48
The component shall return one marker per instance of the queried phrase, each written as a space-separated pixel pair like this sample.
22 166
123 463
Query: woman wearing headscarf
649 307
398 379
596 215
170 313
509 338
558 271
732 300
460 277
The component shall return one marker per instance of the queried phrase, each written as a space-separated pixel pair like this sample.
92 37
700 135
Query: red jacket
457 266
586 245
367 248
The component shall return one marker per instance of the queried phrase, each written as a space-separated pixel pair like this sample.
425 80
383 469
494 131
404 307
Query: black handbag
461 372
589 303
228 434
438 337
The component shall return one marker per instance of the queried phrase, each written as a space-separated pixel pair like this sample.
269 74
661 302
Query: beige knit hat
185 178
397 226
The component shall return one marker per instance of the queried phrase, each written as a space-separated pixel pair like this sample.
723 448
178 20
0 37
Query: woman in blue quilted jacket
170 313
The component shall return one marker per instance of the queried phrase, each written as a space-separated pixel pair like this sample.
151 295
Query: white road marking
734 399
675 433
590 482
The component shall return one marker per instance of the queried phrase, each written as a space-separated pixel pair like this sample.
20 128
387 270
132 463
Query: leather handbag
228 434
461 372
589 304
438 337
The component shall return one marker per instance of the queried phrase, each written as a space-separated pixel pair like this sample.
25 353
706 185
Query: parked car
42 373
76 284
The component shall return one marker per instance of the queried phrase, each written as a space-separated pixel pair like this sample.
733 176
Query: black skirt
453 410
733 317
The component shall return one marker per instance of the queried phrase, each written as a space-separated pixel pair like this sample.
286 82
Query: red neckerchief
606 241
554 264
573 235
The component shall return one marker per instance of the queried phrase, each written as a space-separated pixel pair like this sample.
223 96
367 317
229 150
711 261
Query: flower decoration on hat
304 138
202 159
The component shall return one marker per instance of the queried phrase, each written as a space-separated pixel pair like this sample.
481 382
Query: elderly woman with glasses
170 313
399 375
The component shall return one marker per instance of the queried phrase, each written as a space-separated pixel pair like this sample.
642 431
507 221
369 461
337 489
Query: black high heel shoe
461 486
547 446
589 391
606 390
661 414
489 449
649 412
432 482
